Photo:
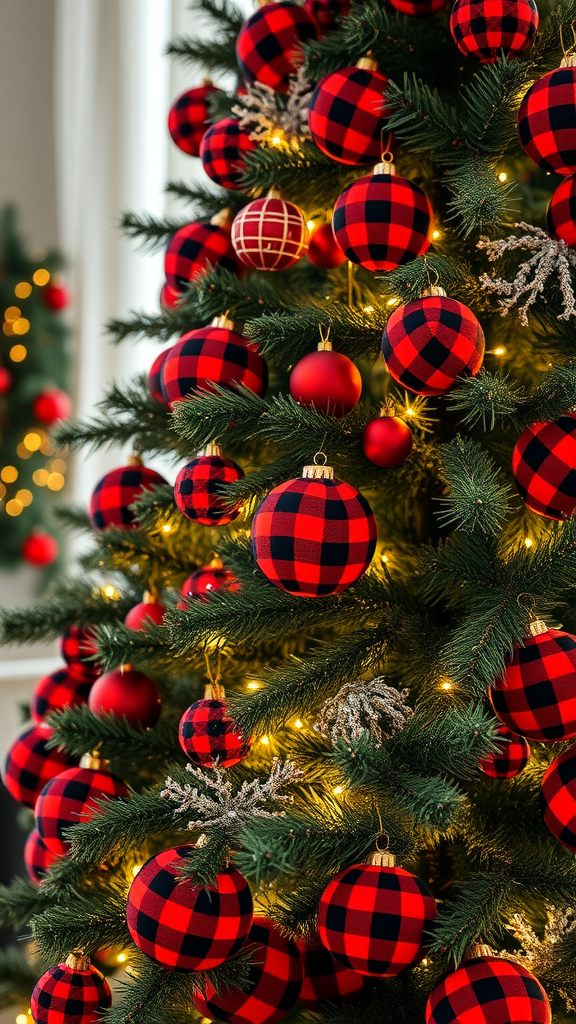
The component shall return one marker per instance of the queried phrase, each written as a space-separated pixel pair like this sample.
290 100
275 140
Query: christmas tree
323 688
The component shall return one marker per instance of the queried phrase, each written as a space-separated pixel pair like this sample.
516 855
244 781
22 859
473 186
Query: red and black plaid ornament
327 380
38 859
71 797
205 581
222 152
489 29
558 798
273 985
169 297
347 113
128 694
116 491
77 645
197 247
61 689
417 8
71 993
314 535
155 377
323 249
212 355
373 917
543 463
30 765
547 121
387 441
269 233
185 926
488 990
268 47
511 759
188 118
431 342
326 13
561 212
200 488
209 736
382 221
328 984
536 694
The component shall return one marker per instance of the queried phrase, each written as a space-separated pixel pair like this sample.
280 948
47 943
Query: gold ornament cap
211 449
214 691
568 60
537 627
433 289
273 193
319 470
222 321
386 165
367 63
381 859
134 460
478 949
96 762
78 961
223 218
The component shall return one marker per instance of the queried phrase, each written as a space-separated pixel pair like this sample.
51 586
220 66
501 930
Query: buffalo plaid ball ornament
189 117
489 29
204 582
374 917
536 694
117 491
209 736
71 993
270 234
61 689
155 377
561 213
558 798
347 113
197 248
273 986
268 48
222 152
38 859
547 119
432 342
418 8
315 535
327 12
77 646
543 464
30 764
182 925
511 759
488 990
326 380
71 797
382 221
326 983
200 488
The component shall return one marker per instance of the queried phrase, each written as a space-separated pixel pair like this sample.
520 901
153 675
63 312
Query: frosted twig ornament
364 706
266 113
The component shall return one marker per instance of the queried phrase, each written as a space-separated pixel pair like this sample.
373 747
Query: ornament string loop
570 51
324 331
320 455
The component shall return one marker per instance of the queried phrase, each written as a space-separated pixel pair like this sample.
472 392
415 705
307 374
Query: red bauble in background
511 759
222 152
169 297
182 925
323 249
328 984
209 736
543 464
38 859
155 377
558 798
200 487
116 491
51 406
273 987
61 689
150 610
547 121
5 380
126 692
40 549
73 992
189 118
204 582
417 8
327 12
269 233
71 798
387 441
196 248
77 646
492 990
55 296
327 380
268 47
486 29
561 212
347 113
30 765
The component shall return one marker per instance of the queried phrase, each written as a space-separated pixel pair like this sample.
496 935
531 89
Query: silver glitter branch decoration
550 257
222 806
364 706
540 954
262 110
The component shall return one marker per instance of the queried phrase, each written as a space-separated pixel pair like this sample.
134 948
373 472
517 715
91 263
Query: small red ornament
71 798
490 989
323 249
536 694
199 247
488 29
268 47
40 549
269 233
117 491
126 692
204 582
51 406
387 441
189 117
315 535
150 610
431 342
30 765
185 926
328 984
209 736
200 487
5 380
347 113
38 859
61 689
511 759
77 646
326 13
71 993
222 152
273 987
374 917
327 380
55 296
543 464
558 798
169 298
547 120
155 377
417 8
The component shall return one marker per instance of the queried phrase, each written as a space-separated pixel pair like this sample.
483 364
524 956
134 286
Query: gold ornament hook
324 345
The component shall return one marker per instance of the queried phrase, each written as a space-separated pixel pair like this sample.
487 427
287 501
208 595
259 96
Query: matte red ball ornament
269 46
323 249
150 610
347 113
209 736
543 464
558 798
327 380
536 694
126 692
490 989
375 917
71 798
431 343
222 152
40 549
547 121
387 441
212 355
489 29
116 491
269 233
326 13
273 985
315 535
418 8
189 118
382 221
38 859
51 406
5 380
197 248
204 582
328 984
77 646
30 764
60 689
200 488
512 757
74 992
155 377
55 296
185 926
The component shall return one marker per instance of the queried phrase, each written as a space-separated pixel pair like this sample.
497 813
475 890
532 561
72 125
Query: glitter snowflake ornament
364 706
268 115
